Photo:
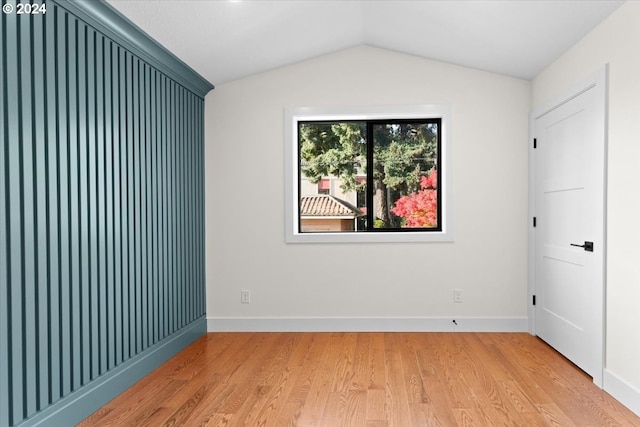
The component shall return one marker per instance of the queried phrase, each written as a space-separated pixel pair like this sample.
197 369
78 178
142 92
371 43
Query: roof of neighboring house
326 205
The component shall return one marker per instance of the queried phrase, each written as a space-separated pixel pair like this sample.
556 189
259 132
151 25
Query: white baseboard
623 392
366 324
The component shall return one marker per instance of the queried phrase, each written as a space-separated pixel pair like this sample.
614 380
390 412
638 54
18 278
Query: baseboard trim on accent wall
85 401
622 391
367 324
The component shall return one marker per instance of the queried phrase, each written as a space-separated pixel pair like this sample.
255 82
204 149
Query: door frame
599 82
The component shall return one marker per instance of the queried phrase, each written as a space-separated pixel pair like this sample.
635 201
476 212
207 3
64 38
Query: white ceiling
225 40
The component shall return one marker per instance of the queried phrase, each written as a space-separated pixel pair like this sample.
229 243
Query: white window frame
445 178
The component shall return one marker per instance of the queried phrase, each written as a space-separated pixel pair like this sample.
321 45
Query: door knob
588 246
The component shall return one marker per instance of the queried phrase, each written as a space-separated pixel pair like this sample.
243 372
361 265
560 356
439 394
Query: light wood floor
365 379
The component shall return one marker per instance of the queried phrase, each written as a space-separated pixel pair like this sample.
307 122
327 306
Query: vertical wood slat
39 195
29 217
50 121
14 215
4 225
101 208
108 283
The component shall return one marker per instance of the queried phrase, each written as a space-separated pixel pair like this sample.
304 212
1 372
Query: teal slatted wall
101 208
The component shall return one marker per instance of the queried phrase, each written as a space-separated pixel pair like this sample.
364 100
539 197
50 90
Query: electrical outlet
245 297
457 295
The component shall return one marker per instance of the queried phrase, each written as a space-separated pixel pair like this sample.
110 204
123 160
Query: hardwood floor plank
259 380
154 419
554 416
521 403
320 387
567 389
275 401
274 377
334 411
141 402
361 363
491 378
97 416
222 349
218 420
355 408
521 377
470 417
376 362
313 351
376 408
397 391
365 380
289 416
343 371
312 356
227 370
444 355
241 382
436 398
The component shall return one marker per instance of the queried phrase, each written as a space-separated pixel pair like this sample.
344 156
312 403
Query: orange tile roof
326 205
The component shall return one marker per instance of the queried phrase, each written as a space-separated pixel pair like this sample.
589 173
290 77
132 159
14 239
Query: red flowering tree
420 209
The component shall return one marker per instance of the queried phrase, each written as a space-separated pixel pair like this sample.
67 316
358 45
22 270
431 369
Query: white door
570 223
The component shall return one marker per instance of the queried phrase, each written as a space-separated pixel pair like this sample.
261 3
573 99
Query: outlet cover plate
245 296
457 295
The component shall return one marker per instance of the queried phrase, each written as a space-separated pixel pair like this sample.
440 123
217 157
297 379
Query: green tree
402 153
337 149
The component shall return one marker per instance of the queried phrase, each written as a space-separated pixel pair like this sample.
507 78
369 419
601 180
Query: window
379 175
324 186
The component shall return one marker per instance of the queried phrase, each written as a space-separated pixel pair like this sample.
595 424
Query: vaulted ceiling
225 40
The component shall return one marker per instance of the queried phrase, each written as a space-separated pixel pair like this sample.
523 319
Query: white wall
245 198
615 41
